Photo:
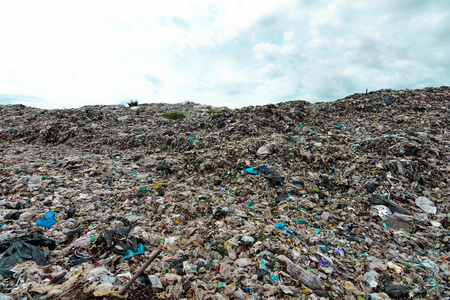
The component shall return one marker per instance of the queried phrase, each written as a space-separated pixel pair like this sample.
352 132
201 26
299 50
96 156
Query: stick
140 271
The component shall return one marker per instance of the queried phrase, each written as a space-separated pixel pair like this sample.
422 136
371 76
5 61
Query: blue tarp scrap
251 171
130 253
48 220
283 227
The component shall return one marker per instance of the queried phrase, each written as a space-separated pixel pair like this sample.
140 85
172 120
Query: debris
140 271
339 200
48 220
19 252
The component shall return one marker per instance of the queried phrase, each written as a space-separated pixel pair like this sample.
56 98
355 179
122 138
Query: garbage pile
333 200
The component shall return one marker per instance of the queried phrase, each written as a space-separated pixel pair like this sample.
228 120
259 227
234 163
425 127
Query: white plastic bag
426 205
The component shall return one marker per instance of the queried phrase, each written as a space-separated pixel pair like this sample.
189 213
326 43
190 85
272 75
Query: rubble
332 200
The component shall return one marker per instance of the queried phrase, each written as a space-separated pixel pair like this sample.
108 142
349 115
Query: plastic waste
190 268
97 273
248 239
158 185
34 239
287 290
396 291
5 297
243 262
48 220
383 211
264 170
380 296
307 278
19 252
78 258
106 289
283 227
156 283
426 205
394 267
371 187
378 199
321 164
427 263
372 278
264 151
251 171
130 253
274 176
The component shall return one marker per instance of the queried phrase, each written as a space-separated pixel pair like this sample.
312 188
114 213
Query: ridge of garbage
332 200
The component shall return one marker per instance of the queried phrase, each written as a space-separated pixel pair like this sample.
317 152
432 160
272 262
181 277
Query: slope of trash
333 200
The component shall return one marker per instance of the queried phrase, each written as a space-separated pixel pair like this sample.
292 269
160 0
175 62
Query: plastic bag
426 205
17 253
263 151
48 220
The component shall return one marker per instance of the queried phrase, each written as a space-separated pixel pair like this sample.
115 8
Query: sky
66 54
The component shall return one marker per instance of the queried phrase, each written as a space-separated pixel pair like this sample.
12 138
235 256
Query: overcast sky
56 54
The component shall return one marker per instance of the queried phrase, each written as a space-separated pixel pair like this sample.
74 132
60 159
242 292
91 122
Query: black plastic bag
18 253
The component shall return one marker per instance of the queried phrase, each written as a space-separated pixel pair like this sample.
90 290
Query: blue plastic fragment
48 220
324 249
283 227
251 171
323 262
264 266
386 99
130 253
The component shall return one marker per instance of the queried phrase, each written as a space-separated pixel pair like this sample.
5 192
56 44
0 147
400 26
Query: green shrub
132 103
174 115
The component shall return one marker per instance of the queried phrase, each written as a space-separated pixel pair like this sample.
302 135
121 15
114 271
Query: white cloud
319 43
287 49
287 36
269 69
266 50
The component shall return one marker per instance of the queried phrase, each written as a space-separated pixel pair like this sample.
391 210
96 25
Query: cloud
287 36
266 51
153 80
232 53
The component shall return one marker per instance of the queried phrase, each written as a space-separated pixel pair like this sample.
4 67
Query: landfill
346 199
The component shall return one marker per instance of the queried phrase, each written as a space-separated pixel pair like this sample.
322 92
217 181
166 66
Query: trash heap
333 200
